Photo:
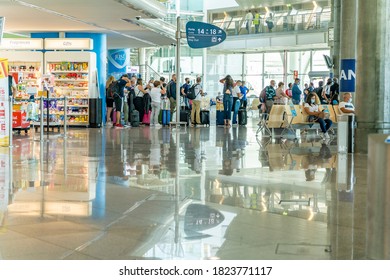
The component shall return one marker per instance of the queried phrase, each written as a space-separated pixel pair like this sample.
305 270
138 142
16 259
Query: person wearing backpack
119 96
195 111
184 91
109 96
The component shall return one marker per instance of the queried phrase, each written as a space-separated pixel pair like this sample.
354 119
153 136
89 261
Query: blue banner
118 60
348 75
203 35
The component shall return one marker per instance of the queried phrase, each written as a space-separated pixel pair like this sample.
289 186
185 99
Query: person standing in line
270 94
195 111
119 99
227 98
249 19
109 98
236 100
139 103
171 94
334 92
281 97
326 92
296 92
289 90
155 94
244 91
183 92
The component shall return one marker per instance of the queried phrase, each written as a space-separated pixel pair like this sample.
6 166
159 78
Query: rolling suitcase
205 117
166 117
146 118
220 117
185 117
134 118
242 117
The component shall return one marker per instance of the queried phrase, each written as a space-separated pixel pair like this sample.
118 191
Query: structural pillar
373 68
335 45
142 62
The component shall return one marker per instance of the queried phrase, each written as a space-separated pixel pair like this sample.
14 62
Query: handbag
312 119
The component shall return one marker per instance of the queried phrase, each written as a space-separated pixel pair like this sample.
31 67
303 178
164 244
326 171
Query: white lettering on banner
68 44
21 44
343 75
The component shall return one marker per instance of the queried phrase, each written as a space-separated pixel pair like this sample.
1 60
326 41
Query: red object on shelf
19 120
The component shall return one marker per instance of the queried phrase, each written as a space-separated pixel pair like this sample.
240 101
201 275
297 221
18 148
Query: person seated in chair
346 107
315 115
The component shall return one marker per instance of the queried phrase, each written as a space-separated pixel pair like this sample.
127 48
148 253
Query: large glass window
319 61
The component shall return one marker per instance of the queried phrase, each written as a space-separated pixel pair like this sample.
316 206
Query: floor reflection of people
311 162
234 143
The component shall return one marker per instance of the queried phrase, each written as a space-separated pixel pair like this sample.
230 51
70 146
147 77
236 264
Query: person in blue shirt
296 92
244 90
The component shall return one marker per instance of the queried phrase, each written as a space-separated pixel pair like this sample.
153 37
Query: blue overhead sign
347 75
203 35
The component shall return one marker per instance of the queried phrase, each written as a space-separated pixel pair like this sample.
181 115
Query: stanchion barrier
41 118
65 116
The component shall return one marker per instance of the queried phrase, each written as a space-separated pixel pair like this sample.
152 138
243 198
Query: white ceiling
101 16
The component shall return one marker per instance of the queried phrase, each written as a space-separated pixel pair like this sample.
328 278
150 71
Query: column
373 67
141 62
335 46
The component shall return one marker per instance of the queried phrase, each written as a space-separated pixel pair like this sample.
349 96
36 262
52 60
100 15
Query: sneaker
322 135
118 126
326 135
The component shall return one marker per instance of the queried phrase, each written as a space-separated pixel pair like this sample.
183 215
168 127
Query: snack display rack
72 76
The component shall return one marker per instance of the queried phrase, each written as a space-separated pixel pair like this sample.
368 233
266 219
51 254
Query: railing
235 26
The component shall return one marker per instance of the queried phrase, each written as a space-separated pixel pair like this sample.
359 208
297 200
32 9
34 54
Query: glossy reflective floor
200 193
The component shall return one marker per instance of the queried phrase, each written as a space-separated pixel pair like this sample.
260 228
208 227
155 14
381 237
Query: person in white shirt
155 94
195 111
249 19
346 107
312 109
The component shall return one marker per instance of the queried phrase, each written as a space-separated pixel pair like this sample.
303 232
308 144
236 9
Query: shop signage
21 44
347 75
68 44
203 35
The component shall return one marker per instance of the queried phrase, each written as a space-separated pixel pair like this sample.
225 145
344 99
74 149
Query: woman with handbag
315 115
227 98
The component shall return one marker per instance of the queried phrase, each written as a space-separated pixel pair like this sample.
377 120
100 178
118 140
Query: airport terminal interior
73 186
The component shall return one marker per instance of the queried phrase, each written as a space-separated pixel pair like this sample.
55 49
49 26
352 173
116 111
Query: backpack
263 95
113 90
191 92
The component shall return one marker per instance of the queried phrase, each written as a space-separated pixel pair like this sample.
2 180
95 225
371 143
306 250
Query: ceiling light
150 8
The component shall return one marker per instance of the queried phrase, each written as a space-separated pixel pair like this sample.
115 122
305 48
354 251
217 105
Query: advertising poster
4 104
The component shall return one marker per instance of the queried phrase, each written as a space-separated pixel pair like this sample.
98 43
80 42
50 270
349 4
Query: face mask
350 100
313 101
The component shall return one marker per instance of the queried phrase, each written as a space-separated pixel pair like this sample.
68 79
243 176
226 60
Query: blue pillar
100 48
118 60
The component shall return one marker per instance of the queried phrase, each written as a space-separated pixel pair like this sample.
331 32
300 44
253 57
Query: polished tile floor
200 193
